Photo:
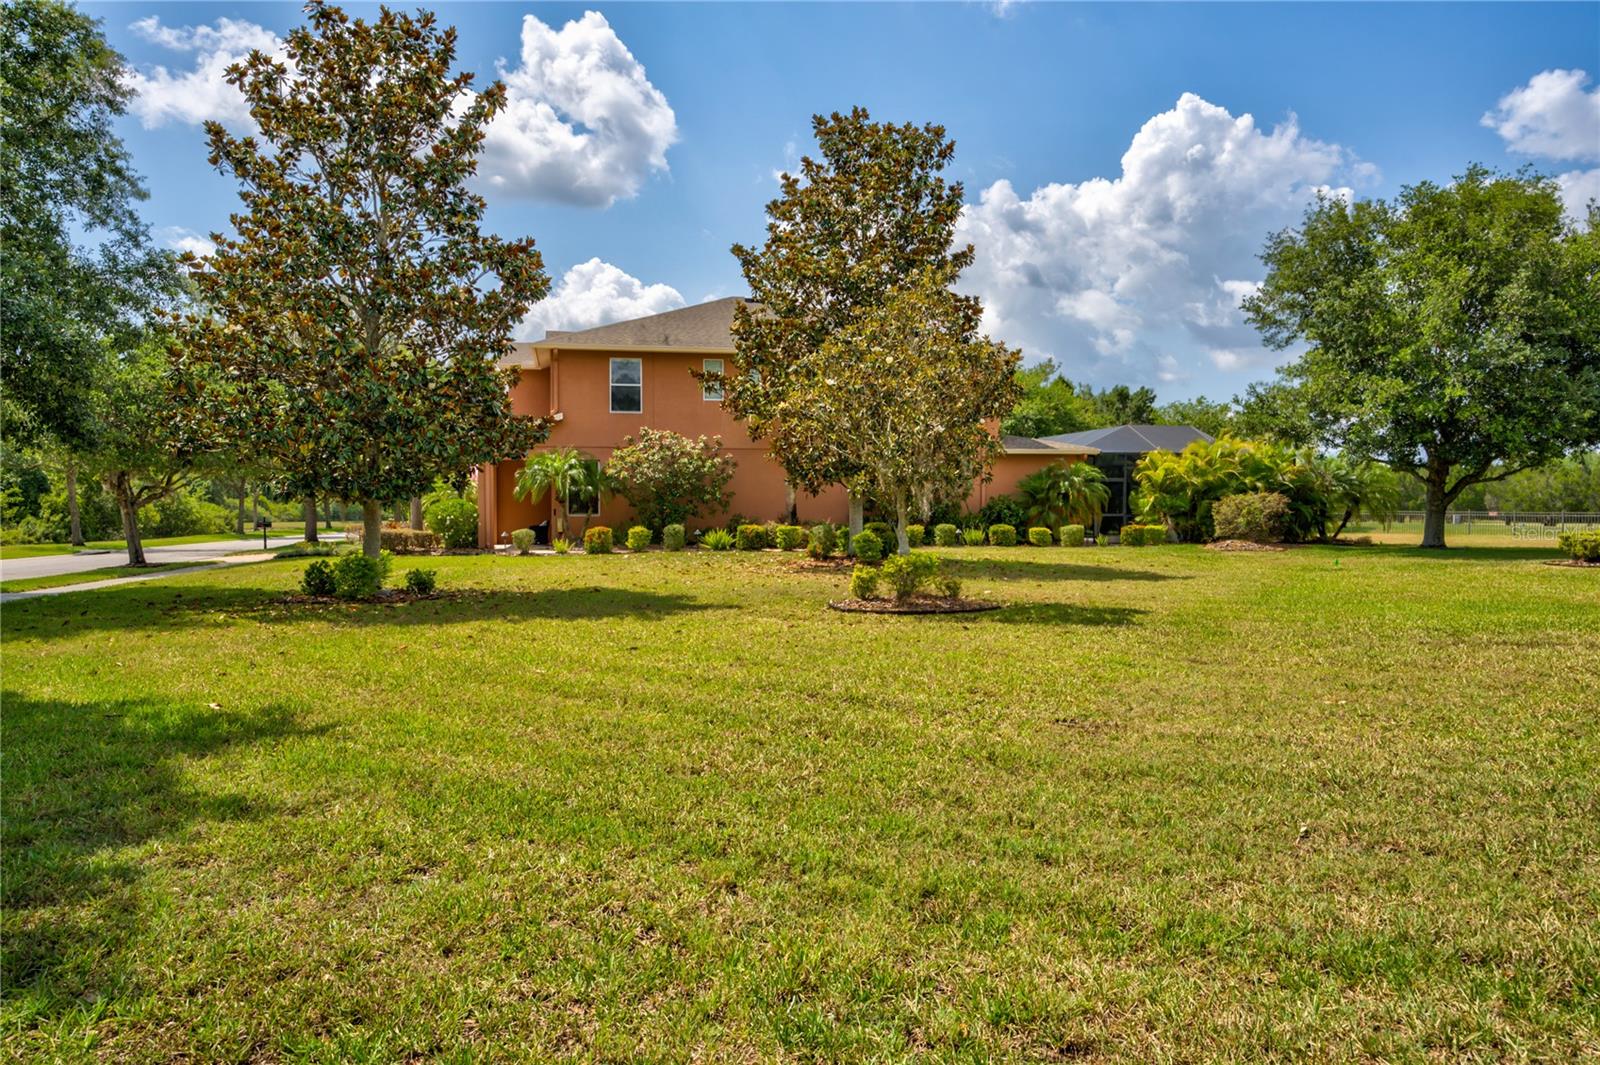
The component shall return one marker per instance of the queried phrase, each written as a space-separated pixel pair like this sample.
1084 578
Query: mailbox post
263 524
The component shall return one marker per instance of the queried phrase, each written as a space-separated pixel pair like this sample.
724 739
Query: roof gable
1135 439
703 327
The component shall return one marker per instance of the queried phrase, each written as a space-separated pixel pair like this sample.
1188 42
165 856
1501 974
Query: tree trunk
416 512
255 507
327 514
74 520
311 519
371 528
1349 512
130 520
902 541
856 507
238 522
1433 511
790 512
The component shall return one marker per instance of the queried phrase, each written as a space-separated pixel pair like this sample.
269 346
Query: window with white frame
627 386
711 393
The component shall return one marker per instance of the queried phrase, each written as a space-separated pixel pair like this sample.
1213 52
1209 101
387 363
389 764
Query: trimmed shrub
1583 546
1003 535
639 538
868 546
882 530
973 537
1143 535
1039 536
672 537
455 520
789 537
561 545
522 540
864 582
916 535
1003 510
907 573
356 576
421 581
597 540
949 585
318 578
752 537
717 540
946 535
823 542
1261 517
1071 536
404 541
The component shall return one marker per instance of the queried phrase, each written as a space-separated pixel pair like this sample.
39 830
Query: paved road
13 569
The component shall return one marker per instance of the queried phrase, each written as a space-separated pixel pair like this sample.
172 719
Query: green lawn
61 580
1170 805
35 550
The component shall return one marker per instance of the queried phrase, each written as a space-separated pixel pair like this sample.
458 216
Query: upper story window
627 386
711 393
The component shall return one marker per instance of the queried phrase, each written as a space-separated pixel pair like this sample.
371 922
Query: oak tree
1453 334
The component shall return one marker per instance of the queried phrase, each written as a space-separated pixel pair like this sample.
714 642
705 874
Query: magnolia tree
846 231
905 394
1453 334
349 331
669 478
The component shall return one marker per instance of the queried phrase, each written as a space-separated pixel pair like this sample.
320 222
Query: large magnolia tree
349 330
845 232
1453 334
906 394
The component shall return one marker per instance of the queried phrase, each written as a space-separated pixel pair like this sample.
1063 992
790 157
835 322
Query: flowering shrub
455 520
597 540
639 538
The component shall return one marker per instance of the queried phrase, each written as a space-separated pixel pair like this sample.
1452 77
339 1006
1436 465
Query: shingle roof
1025 444
1134 439
703 327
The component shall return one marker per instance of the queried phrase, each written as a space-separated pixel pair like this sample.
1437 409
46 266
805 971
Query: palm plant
1065 492
562 471
1361 486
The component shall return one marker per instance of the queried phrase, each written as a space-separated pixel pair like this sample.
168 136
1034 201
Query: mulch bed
1241 545
919 604
823 565
1575 563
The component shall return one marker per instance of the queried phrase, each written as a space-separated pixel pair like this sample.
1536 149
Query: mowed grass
1168 805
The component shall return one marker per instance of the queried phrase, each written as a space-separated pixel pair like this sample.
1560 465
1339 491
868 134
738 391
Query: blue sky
1117 191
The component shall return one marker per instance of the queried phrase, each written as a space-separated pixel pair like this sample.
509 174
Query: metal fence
1520 524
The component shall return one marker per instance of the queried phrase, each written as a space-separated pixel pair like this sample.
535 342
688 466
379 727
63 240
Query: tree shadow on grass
1479 554
131 607
1064 614
82 780
1046 570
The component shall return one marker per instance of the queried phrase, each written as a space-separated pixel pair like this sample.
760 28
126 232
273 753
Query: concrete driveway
15 569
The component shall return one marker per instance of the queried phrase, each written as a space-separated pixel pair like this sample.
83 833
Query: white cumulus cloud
582 123
1552 116
596 293
202 93
181 238
1138 277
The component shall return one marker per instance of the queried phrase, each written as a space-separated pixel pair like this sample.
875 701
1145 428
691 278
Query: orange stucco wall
577 385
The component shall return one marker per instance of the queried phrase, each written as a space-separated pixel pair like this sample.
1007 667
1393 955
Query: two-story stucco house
603 384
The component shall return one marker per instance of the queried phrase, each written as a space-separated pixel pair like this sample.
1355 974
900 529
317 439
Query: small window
627 386
711 393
